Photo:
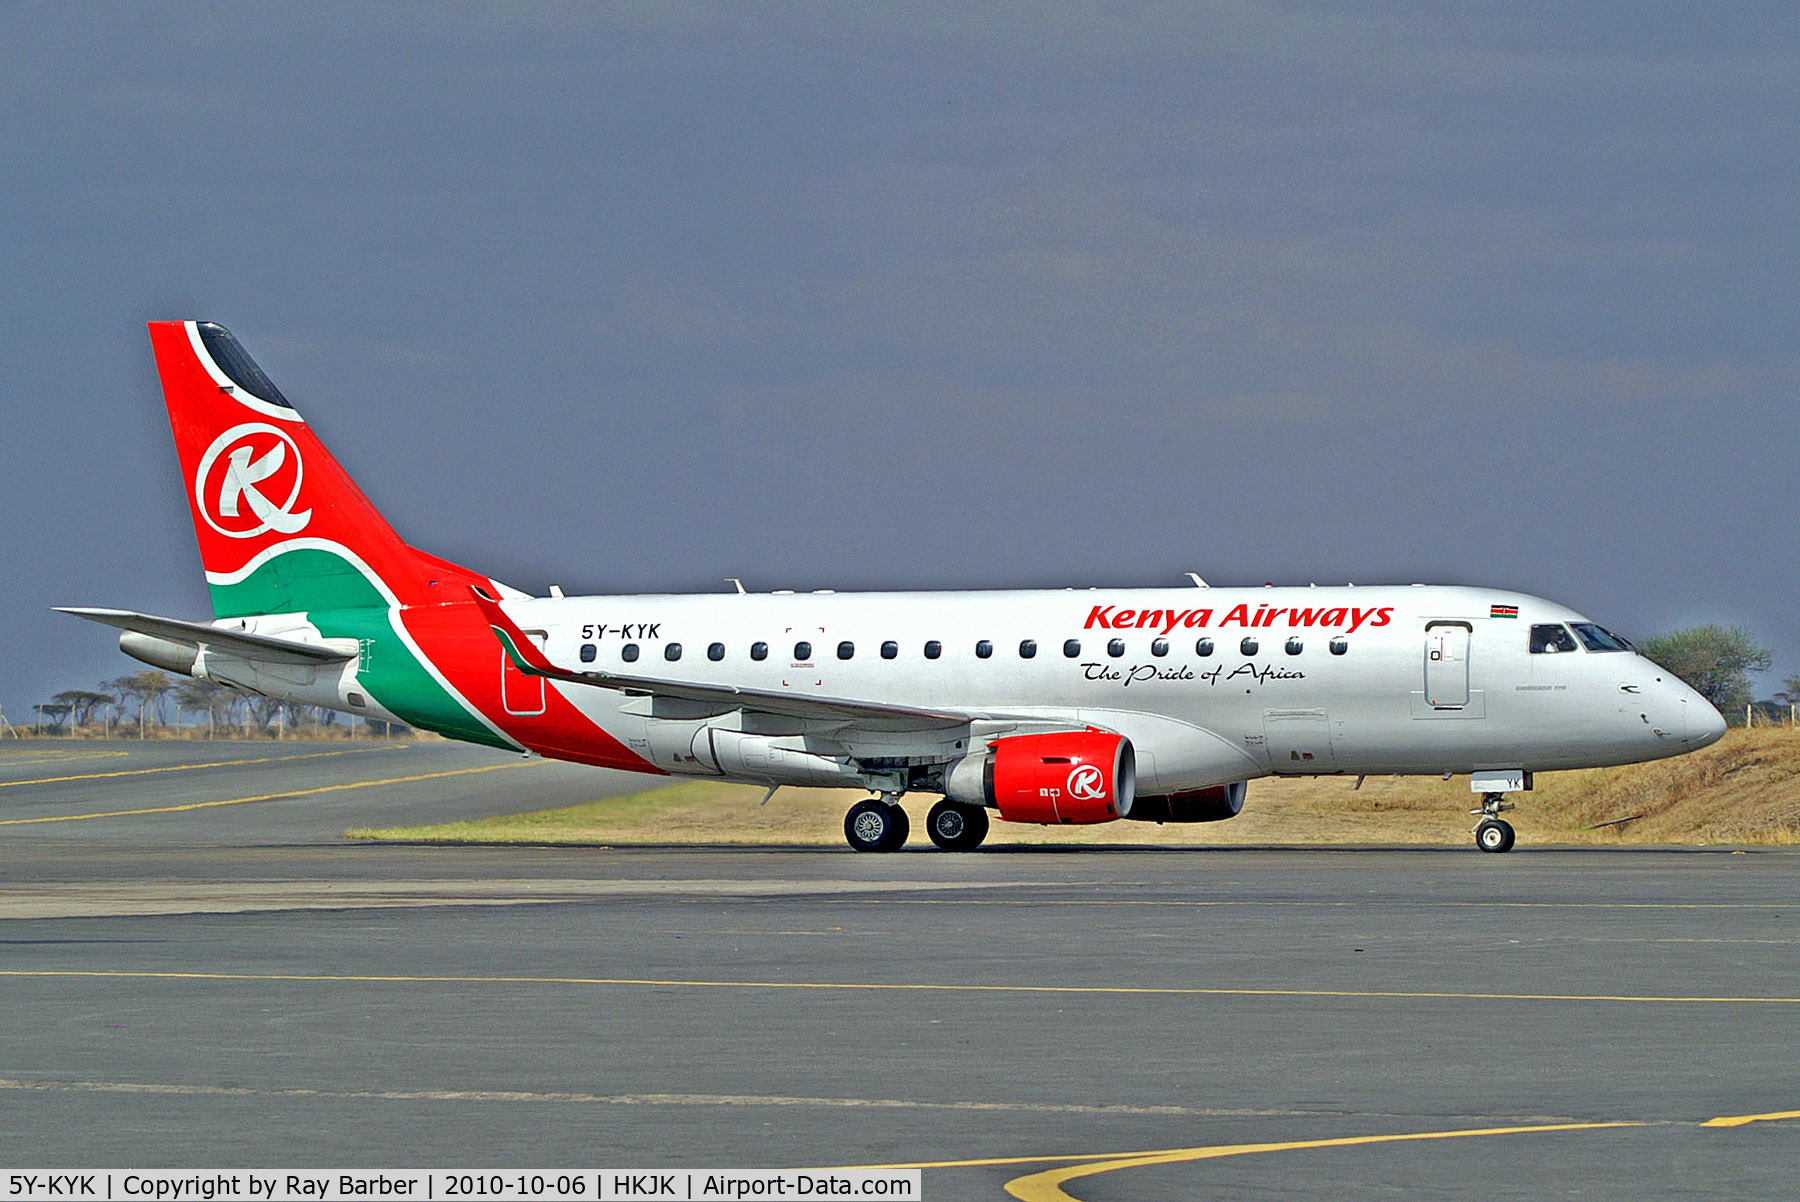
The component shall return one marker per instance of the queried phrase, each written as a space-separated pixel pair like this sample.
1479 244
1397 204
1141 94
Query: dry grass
1744 789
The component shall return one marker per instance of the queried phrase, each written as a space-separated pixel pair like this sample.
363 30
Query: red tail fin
281 525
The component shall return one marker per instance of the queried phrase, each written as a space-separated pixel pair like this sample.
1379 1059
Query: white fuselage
1418 679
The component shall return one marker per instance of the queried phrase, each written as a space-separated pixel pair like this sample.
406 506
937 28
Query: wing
870 715
257 648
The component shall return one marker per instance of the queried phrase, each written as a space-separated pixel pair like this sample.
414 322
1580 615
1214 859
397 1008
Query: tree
1715 662
217 701
124 689
147 688
82 703
263 710
1790 692
51 710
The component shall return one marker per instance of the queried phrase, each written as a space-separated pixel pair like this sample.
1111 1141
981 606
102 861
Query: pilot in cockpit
1551 638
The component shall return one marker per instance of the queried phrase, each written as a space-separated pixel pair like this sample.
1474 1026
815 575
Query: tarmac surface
197 970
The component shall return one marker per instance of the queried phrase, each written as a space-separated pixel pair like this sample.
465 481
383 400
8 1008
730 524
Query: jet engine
1067 778
1191 805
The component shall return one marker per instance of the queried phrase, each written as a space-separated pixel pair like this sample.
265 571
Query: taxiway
197 970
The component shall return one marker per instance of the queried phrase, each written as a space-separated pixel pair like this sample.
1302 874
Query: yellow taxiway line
882 986
57 757
1047 1184
267 759
1744 1120
290 793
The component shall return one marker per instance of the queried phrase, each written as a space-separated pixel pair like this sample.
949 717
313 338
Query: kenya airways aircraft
1048 707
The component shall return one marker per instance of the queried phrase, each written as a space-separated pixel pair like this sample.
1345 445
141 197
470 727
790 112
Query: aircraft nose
1705 725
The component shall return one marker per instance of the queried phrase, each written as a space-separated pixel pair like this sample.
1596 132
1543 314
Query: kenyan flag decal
1504 611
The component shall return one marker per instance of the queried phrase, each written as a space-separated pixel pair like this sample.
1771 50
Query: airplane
1057 707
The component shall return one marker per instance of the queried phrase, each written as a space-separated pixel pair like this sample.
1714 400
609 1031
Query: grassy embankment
1744 789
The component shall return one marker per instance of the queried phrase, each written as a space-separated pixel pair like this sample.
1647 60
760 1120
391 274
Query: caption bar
587 1185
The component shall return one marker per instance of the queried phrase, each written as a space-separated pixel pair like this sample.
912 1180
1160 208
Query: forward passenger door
1447 665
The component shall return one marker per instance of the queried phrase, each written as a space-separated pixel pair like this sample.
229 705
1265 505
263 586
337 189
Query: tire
1494 835
956 827
874 825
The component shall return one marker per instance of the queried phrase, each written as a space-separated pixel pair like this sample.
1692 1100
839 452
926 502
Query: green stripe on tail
337 598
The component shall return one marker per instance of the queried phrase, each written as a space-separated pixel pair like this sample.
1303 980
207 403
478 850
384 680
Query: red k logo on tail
241 475
262 486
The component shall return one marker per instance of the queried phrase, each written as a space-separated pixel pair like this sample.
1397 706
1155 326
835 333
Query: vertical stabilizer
282 528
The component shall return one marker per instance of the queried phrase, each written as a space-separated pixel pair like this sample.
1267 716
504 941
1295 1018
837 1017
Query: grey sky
635 297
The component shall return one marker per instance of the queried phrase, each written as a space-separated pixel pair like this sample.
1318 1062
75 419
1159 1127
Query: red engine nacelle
1072 777
1194 805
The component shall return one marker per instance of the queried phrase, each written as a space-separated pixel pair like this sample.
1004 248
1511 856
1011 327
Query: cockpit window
1599 638
1551 638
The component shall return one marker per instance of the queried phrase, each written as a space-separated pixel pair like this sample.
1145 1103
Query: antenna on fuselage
739 583
1198 583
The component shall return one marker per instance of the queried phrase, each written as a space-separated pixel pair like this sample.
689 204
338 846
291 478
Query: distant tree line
146 701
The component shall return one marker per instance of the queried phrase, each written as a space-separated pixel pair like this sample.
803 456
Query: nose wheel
1493 833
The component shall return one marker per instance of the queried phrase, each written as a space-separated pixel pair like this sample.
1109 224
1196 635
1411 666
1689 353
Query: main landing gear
879 824
1493 833
955 827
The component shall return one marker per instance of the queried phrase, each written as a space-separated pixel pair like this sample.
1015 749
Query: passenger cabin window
1295 647
1115 647
1248 646
588 652
1551 638
846 649
890 649
802 652
1598 638
1203 648
1339 646
1072 648
933 649
984 649
1027 648
629 653
716 652
759 651
672 652
1159 647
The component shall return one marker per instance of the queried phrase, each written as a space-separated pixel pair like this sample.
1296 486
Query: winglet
526 655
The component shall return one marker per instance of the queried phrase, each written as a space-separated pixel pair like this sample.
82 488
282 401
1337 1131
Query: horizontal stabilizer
255 647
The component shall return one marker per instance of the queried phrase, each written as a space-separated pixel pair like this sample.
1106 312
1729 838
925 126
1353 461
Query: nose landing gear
1493 833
